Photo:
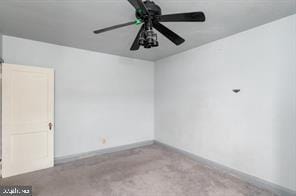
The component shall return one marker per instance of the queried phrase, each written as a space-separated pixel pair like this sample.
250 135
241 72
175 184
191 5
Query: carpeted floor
146 171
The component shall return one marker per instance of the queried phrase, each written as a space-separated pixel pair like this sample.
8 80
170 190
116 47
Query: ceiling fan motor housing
153 9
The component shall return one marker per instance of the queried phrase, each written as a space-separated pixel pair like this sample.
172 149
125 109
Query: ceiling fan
149 15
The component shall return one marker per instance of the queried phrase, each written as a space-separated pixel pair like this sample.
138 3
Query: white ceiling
71 22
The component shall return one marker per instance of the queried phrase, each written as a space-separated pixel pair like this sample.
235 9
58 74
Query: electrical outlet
103 140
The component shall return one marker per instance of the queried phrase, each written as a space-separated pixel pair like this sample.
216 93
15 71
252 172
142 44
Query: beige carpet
147 171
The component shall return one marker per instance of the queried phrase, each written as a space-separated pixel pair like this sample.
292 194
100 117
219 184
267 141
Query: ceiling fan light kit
149 16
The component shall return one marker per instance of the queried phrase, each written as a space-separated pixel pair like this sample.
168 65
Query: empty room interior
148 98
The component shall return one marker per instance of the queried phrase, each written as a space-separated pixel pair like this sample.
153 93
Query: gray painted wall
1 37
253 131
1 45
97 96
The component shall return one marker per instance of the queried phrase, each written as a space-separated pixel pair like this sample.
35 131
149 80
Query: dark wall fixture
236 90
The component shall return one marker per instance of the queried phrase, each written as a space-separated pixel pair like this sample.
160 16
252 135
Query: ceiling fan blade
168 33
114 27
136 44
139 6
183 17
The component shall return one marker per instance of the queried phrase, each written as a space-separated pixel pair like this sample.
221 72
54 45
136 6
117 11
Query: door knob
50 125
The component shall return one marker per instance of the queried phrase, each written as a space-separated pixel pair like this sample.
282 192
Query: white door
27 119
